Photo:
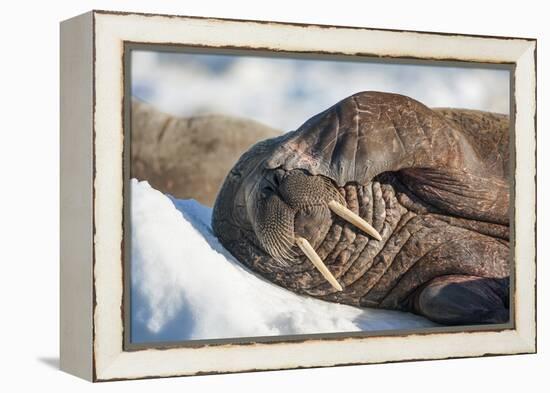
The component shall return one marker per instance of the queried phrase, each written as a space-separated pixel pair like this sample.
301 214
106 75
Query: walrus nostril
278 176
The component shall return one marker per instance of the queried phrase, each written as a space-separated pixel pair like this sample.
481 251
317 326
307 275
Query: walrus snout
293 213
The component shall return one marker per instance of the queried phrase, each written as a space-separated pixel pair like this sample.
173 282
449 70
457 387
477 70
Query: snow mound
185 285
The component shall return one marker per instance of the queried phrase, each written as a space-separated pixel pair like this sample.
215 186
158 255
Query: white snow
185 285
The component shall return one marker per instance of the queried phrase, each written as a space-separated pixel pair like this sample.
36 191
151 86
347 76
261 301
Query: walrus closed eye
379 201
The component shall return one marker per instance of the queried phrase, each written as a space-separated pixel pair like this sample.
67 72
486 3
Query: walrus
210 144
379 201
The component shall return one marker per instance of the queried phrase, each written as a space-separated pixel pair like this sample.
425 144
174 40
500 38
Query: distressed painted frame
92 194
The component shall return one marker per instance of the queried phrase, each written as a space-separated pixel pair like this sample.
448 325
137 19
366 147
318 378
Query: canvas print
286 196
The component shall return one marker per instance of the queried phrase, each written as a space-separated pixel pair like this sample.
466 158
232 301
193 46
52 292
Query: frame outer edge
528 123
115 363
76 205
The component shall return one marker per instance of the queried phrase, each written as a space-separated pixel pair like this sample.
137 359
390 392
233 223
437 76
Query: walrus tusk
317 262
353 219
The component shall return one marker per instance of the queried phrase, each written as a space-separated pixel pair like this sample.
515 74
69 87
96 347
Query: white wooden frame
92 117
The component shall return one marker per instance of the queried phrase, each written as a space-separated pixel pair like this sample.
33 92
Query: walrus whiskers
310 253
353 219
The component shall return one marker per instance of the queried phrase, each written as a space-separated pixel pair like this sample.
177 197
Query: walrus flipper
462 300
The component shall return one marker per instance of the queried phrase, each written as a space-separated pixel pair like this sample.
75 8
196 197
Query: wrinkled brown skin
433 183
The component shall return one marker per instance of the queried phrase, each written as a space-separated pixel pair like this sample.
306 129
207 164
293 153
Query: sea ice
186 286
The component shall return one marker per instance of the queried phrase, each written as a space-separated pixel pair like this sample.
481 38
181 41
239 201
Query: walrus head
285 195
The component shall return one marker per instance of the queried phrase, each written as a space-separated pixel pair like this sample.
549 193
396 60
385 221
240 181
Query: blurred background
284 92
